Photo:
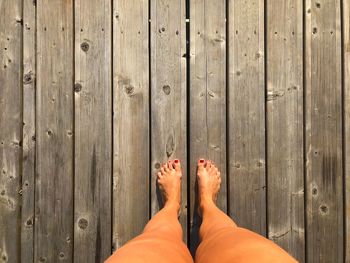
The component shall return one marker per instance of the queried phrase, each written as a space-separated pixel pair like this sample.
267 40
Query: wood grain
246 114
131 120
28 161
11 129
285 150
207 102
323 134
93 131
168 94
54 148
346 94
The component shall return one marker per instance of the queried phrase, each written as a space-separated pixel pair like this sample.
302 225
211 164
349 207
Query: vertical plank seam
112 124
150 174
266 120
35 122
304 126
188 126
73 124
343 137
228 212
21 66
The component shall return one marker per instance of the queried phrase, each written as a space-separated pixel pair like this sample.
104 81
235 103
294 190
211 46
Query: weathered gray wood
93 131
207 103
285 164
323 134
246 114
168 93
28 166
131 120
54 148
11 128
346 88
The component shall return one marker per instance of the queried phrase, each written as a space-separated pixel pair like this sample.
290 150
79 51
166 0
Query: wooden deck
95 95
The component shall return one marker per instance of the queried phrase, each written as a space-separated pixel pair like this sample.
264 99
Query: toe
208 164
201 163
165 167
170 165
159 175
162 170
177 165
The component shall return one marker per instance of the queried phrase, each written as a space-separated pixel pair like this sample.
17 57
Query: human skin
221 239
161 240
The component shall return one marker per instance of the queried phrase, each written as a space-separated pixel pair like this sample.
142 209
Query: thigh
152 247
240 245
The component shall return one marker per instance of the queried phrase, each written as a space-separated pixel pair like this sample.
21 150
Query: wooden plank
168 91
93 131
11 128
28 165
323 132
246 114
54 151
207 102
346 85
131 120
285 150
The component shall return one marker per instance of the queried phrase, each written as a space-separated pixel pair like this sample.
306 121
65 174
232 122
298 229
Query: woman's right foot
209 180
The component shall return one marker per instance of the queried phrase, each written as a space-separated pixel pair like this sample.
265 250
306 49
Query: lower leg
221 239
161 240
165 220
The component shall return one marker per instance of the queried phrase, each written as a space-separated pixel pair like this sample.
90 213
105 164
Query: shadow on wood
196 221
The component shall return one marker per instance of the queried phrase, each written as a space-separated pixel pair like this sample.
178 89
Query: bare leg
161 240
221 240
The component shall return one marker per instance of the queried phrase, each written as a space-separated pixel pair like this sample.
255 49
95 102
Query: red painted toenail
176 161
201 160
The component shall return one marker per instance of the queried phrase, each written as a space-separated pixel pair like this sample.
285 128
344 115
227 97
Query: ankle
172 205
205 202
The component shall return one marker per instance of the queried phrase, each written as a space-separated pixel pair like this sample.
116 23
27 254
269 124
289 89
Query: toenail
201 160
176 161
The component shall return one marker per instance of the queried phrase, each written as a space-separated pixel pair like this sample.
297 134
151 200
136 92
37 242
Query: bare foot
169 181
209 180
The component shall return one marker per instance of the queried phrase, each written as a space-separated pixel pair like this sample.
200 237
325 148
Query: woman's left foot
169 181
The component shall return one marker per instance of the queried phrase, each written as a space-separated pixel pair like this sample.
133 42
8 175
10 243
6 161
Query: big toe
177 165
201 163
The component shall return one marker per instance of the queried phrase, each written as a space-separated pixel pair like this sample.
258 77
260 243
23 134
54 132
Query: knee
166 230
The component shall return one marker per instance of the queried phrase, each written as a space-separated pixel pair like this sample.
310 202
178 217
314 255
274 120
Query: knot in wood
129 89
166 89
237 165
29 222
28 78
82 223
77 87
85 46
324 209
42 259
157 165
